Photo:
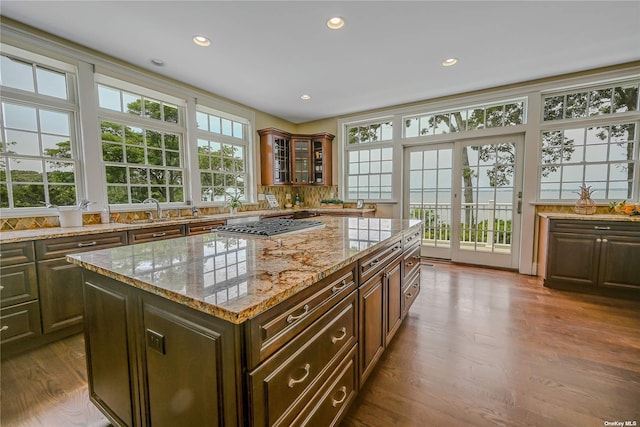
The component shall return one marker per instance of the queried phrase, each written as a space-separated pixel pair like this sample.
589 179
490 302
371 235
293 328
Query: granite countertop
598 217
237 278
53 232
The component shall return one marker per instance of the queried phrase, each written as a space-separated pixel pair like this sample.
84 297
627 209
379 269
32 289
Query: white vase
233 210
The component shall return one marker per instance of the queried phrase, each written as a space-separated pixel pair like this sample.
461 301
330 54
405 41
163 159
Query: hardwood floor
480 347
483 347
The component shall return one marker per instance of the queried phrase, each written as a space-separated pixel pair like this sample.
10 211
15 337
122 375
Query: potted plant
234 201
332 203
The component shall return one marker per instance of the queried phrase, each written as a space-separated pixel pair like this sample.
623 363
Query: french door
468 195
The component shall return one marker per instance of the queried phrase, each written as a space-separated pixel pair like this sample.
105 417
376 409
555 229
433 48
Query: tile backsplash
310 196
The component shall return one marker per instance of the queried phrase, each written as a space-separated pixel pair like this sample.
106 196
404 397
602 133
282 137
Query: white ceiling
265 54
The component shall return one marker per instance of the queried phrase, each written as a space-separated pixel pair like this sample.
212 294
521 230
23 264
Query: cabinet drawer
19 284
155 233
16 253
596 227
286 381
328 406
410 293
61 246
372 263
411 261
412 238
204 227
271 330
19 322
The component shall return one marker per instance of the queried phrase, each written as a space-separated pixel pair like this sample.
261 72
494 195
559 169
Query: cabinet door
189 379
111 361
321 161
372 329
393 298
19 284
301 162
573 258
60 294
620 262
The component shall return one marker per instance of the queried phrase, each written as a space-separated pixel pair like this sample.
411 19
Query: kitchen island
220 329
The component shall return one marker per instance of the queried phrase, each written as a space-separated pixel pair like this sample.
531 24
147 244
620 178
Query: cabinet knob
4 328
604 240
598 240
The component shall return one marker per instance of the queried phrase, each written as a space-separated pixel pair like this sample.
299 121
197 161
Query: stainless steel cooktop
270 227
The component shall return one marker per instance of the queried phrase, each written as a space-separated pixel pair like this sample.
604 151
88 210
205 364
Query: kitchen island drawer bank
267 330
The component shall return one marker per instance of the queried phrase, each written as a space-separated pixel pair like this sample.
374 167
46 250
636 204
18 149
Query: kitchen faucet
158 210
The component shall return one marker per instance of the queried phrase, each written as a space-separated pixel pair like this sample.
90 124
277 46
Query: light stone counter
611 217
236 278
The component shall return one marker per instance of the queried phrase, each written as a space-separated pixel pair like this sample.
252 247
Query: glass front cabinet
305 158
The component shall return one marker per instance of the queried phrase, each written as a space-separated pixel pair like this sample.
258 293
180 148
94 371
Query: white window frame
69 106
588 122
244 142
105 114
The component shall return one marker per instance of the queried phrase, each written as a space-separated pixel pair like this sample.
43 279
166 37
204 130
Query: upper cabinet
295 159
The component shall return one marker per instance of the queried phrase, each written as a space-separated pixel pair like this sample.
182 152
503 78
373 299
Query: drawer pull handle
342 285
416 257
208 228
374 262
336 402
1 287
291 318
158 234
343 330
598 240
409 295
84 245
395 248
410 264
597 227
293 382
4 328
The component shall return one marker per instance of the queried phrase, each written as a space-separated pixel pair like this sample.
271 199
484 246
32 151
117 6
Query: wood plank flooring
480 347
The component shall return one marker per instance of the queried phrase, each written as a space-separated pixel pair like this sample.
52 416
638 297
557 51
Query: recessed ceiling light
201 40
305 97
335 23
157 62
449 62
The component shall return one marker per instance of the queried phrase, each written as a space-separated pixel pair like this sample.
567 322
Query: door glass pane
487 195
430 194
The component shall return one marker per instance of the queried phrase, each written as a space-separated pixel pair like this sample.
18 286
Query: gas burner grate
270 227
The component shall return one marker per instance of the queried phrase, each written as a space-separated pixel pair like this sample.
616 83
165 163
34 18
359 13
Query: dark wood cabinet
593 256
60 282
311 159
372 335
275 156
155 362
295 159
204 227
164 232
381 299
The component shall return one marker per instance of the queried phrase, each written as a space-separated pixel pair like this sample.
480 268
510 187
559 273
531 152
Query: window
604 157
591 147
142 147
370 161
469 118
222 156
38 159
